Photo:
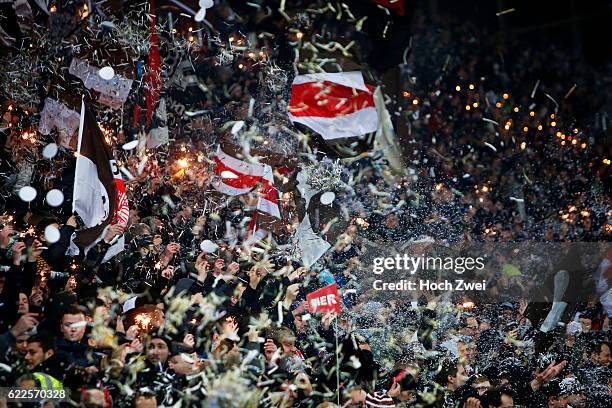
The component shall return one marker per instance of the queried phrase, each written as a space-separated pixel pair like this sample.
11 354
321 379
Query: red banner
324 300
394 5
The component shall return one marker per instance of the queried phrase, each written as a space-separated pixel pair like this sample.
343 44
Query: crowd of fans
165 323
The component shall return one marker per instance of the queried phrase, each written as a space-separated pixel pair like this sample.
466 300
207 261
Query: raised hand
218 268
291 294
328 318
270 351
72 221
233 268
5 235
544 376
472 403
35 251
18 249
297 274
202 266
25 323
168 273
113 231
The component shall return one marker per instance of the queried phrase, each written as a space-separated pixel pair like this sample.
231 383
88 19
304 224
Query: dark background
581 25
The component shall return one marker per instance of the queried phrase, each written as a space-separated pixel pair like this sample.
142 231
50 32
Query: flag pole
78 151
337 363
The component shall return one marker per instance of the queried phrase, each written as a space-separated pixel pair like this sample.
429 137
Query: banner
324 300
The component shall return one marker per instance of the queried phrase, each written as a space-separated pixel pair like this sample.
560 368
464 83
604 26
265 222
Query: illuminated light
553 123
558 134
481 199
475 104
532 113
231 39
252 55
498 104
575 130
563 143
583 145
525 129
471 86
539 127
261 53
53 9
173 31
505 96
457 88
468 107
507 127
572 208
240 66
552 115
523 145
585 213
183 148
569 138
606 161
439 186
190 29
191 38
415 101
299 35
516 109
183 163
562 137
406 94
485 189
574 141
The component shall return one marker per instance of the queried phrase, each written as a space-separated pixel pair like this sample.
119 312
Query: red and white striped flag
335 105
236 177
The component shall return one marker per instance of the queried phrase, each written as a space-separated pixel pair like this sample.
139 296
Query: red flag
153 77
394 5
324 300
335 105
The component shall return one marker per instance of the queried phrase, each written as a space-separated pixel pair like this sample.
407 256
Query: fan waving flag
236 177
99 196
335 105
324 300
